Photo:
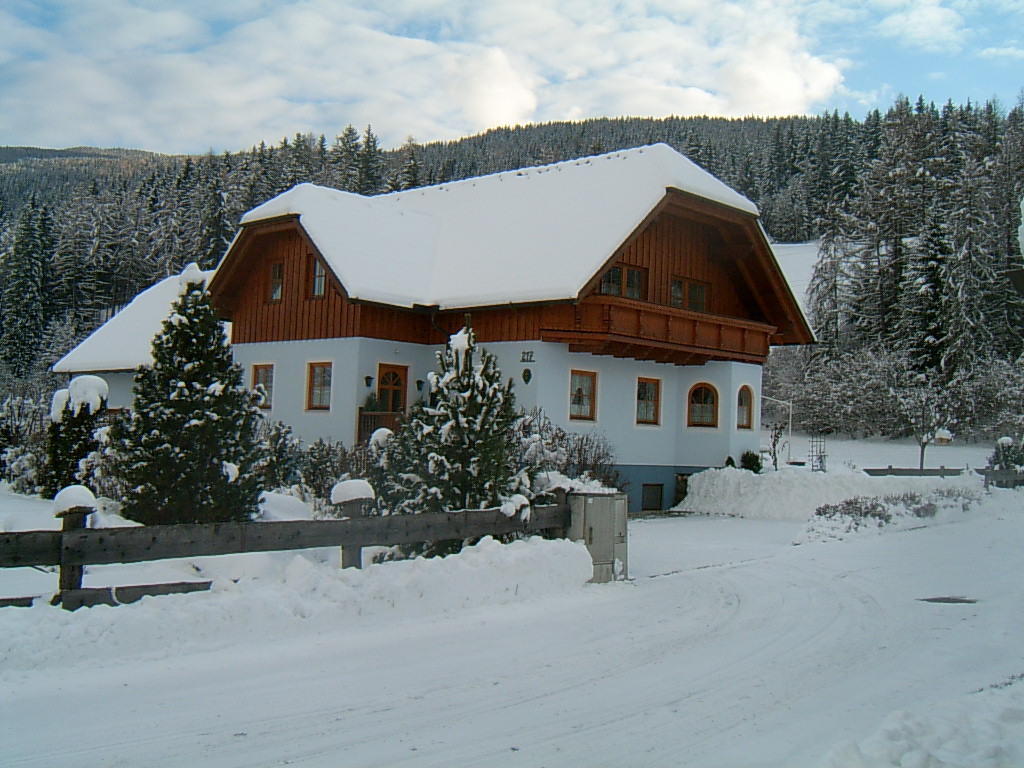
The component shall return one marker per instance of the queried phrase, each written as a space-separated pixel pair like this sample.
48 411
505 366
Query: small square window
263 376
636 284
611 283
318 382
582 395
652 497
648 400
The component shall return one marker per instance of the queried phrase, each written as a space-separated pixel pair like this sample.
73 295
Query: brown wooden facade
749 305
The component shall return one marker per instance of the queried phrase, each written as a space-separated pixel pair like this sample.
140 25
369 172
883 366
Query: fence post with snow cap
352 498
72 505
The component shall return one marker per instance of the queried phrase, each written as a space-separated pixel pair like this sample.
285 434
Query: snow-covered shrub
752 461
97 470
22 419
75 415
23 443
1008 454
862 513
22 467
281 455
858 512
545 447
188 452
326 462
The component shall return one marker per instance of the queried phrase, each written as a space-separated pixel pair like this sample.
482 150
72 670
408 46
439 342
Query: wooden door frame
401 370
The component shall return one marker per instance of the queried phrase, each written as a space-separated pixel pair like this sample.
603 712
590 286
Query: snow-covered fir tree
24 297
188 451
454 452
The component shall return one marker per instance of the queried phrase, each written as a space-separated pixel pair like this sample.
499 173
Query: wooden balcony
370 421
609 325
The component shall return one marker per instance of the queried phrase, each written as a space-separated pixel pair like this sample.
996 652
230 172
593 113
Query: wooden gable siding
299 316
673 247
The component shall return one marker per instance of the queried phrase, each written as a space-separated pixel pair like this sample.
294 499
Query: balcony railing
637 329
371 421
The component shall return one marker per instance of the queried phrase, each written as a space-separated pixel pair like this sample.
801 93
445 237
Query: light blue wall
645 453
352 360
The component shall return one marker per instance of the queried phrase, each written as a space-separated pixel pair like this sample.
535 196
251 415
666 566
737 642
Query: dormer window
629 282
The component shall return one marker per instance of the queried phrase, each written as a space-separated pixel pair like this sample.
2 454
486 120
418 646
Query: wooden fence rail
73 548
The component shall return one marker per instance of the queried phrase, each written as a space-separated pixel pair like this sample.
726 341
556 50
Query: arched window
745 408
702 410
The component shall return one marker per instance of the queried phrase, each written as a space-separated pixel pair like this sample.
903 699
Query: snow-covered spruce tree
188 453
24 300
74 417
455 453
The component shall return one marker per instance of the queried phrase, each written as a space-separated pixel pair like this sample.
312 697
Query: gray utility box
599 521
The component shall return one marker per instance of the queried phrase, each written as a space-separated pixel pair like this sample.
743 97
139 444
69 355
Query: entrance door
391 386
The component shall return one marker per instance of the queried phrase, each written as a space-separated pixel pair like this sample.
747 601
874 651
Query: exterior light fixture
369 381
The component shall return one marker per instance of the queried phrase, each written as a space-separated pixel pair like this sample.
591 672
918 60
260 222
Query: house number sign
527 356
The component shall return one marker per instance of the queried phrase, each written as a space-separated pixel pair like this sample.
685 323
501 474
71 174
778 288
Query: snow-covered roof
125 341
535 234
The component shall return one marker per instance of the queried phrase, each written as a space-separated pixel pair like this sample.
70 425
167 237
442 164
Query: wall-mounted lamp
419 385
369 381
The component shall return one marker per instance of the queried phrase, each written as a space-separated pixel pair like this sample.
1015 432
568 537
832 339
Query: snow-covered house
630 293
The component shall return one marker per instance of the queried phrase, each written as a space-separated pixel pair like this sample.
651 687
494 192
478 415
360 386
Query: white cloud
1004 52
191 75
924 24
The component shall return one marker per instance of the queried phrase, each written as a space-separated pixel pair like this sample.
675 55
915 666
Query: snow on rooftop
125 341
532 234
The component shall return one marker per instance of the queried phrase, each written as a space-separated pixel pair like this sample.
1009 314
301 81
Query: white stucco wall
670 443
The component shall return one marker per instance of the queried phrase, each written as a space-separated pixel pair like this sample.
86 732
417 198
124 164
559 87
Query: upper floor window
276 282
648 400
263 376
745 408
630 282
318 387
689 294
582 395
702 406
318 283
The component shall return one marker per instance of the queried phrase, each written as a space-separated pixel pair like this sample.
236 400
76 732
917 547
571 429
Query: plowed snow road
729 647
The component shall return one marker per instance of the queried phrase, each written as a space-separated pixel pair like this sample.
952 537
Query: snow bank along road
730 647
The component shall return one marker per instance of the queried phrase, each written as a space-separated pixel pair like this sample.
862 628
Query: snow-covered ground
729 646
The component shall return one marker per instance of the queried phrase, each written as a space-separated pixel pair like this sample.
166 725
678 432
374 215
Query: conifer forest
916 210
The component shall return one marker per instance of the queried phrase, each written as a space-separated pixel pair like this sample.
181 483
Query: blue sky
196 75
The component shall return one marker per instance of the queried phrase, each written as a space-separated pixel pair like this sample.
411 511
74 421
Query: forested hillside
917 210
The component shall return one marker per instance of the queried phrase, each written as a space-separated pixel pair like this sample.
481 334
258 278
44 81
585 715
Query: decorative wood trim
689 405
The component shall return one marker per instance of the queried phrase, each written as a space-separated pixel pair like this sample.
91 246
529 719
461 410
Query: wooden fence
75 547
915 472
1002 478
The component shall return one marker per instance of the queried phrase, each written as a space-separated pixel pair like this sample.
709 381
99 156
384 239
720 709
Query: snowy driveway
730 647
